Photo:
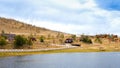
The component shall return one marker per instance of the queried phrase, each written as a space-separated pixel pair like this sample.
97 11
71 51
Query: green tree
29 42
98 40
73 37
2 41
3 34
85 39
42 39
19 41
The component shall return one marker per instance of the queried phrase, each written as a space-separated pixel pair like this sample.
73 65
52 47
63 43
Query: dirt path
32 50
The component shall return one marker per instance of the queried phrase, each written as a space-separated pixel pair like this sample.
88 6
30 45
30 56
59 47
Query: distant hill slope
17 27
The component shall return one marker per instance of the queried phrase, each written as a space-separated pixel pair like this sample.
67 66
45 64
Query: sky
70 16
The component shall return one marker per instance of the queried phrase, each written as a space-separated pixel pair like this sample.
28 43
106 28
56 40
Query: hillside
17 27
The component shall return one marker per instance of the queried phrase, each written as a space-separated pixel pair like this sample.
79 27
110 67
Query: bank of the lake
69 50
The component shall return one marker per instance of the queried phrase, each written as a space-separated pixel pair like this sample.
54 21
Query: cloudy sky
71 16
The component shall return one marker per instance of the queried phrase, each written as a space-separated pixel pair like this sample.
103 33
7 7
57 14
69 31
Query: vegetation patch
85 39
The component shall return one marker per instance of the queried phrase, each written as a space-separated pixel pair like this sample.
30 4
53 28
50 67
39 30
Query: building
69 40
10 37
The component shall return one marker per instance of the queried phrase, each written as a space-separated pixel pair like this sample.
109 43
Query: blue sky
71 16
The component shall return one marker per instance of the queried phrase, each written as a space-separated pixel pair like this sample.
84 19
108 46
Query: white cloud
115 23
88 5
70 28
47 11
73 4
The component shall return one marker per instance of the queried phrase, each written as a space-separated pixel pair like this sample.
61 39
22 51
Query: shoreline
51 51
33 50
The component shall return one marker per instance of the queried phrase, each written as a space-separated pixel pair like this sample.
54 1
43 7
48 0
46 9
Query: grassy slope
18 27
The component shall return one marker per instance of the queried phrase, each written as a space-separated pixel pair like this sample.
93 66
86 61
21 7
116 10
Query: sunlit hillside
17 27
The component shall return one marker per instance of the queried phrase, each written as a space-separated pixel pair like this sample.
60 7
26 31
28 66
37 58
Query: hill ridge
18 27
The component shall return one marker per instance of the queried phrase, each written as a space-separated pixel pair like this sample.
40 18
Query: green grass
73 50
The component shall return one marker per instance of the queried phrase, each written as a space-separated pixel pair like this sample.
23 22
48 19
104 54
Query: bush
20 41
98 40
62 36
2 34
2 41
42 39
29 42
73 37
5 37
86 39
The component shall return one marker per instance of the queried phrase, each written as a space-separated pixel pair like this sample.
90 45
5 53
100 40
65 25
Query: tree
3 32
29 42
98 40
73 37
42 39
19 41
2 41
85 39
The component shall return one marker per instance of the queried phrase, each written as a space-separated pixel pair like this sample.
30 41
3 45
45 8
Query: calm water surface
63 60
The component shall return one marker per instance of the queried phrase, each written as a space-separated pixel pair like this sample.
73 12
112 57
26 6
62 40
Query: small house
69 40
10 37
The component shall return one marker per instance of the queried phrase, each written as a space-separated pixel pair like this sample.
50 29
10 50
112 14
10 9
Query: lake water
63 60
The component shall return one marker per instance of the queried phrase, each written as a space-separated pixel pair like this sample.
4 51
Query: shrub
98 40
73 37
20 41
5 37
61 41
2 41
62 36
2 34
29 42
42 39
86 39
